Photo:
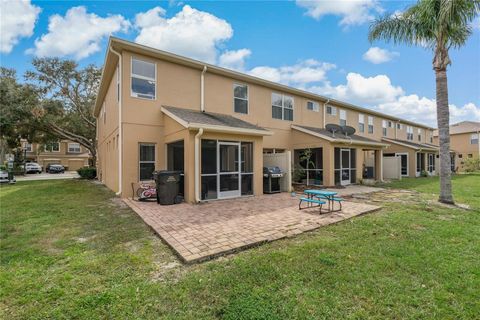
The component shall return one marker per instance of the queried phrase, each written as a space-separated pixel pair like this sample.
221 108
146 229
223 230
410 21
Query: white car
33 167
3 176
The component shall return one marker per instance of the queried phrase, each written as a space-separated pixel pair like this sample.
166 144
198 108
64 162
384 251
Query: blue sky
320 46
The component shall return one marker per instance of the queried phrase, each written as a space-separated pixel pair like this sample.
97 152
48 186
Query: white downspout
202 89
197 164
120 131
325 112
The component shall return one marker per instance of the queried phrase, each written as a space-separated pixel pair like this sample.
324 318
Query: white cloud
234 59
17 20
378 55
424 110
190 32
362 90
77 34
352 12
298 75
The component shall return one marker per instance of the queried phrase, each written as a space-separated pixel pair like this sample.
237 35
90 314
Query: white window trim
332 108
370 123
344 117
474 136
248 103
79 147
150 161
132 94
316 106
28 147
283 105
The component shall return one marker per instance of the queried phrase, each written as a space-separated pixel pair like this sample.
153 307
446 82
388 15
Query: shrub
87 172
471 165
424 173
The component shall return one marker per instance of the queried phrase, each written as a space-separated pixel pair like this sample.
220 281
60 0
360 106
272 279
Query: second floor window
240 98
384 127
343 117
74 147
282 107
52 147
331 110
419 134
143 79
474 138
399 126
409 133
312 105
28 147
361 123
370 124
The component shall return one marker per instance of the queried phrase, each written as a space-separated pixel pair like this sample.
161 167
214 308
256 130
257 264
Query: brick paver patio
202 231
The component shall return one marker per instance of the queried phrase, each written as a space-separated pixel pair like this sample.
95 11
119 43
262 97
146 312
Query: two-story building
464 144
157 110
70 154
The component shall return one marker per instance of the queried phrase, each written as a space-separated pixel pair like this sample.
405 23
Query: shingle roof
462 127
338 135
413 145
210 118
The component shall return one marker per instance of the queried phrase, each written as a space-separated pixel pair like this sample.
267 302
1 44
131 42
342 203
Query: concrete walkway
203 231
48 176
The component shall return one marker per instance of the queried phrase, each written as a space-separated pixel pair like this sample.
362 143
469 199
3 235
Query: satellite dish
333 128
348 131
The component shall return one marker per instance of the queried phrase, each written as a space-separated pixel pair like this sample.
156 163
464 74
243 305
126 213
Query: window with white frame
28 147
74 147
419 134
343 117
331 110
146 161
104 113
312 105
399 126
240 98
282 107
118 83
389 124
384 127
52 147
474 138
431 137
361 123
409 133
370 124
143 79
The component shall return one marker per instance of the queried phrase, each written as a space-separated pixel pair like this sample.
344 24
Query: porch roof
195 119
413 145
338 137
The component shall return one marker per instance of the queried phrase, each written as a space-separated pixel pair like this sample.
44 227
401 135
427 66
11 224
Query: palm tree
438 25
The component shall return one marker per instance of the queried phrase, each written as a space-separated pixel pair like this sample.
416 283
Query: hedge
87 172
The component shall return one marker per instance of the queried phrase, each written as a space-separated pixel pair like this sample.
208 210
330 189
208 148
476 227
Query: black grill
271 179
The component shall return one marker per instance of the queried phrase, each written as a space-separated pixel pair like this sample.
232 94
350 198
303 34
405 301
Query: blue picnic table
318 197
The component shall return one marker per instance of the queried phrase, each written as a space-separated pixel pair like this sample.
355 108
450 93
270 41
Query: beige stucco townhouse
463 143
158 110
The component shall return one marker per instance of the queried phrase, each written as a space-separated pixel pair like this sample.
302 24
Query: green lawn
70 250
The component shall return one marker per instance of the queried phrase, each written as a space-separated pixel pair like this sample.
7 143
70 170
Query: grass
69 249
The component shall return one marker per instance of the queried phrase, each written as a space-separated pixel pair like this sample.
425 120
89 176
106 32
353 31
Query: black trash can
168 183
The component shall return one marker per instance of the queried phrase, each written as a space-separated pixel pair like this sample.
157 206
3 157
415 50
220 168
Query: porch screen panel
308 164
209 169
246 167
353 165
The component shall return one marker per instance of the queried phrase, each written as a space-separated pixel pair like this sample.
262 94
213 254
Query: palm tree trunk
443 121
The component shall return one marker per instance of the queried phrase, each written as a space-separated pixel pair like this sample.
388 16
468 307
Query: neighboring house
157 110
463 142
67 153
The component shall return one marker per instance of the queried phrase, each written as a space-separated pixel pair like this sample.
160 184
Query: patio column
328 165
359 162
379 165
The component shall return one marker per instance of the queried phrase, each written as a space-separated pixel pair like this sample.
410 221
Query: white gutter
197 165
202 89
325 112
120 131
